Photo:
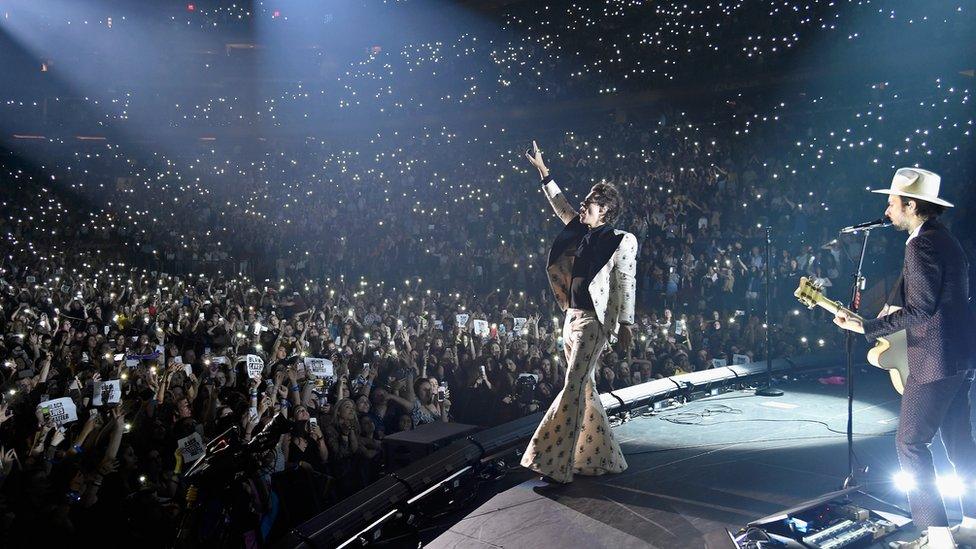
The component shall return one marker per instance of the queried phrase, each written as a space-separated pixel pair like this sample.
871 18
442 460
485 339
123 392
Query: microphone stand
768 390
856 287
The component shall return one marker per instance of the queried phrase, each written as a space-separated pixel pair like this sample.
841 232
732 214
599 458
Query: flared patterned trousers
574 435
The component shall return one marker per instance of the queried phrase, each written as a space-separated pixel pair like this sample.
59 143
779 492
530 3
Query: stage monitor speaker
407 447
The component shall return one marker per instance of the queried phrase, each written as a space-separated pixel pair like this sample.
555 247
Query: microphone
867 225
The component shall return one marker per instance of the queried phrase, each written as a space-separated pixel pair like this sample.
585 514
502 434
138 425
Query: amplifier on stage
406 447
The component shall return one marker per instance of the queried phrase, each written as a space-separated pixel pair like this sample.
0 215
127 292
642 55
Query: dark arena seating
278 273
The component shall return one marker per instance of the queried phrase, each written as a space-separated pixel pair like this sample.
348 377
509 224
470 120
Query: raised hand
315 432
7 459
535 158
58 436
108 466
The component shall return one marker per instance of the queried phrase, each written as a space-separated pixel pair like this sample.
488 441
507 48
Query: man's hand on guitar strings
847 322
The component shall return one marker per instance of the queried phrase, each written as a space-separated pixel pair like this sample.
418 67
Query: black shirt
585 267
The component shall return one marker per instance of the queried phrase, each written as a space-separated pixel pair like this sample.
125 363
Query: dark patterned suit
939 328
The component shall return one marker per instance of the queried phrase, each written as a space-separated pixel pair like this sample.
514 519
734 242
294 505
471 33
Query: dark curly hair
923 208
606 194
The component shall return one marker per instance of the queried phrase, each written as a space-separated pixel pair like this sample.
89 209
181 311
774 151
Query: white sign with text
481 328
320 367
107 392
519 324
254 366
60 410
191 447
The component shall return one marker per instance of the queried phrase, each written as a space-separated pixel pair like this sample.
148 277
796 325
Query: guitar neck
835 306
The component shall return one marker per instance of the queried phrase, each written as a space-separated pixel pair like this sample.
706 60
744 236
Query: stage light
950 486
904 481
191 7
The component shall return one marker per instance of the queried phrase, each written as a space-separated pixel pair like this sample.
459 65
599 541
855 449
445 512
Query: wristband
78 449
295 388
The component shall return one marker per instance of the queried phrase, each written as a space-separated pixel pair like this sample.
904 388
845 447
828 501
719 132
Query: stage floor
713 464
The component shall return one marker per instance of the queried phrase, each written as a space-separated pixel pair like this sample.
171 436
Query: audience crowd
152 299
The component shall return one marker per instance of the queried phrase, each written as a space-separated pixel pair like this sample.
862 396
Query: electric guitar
889 352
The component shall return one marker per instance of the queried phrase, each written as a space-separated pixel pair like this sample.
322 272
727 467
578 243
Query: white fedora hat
916 183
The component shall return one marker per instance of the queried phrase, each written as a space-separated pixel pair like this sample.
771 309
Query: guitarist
938 325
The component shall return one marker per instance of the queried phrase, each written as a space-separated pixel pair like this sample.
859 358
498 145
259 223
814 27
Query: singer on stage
938 324
591 270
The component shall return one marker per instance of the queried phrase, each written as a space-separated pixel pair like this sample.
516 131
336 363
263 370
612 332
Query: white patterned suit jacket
613 288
